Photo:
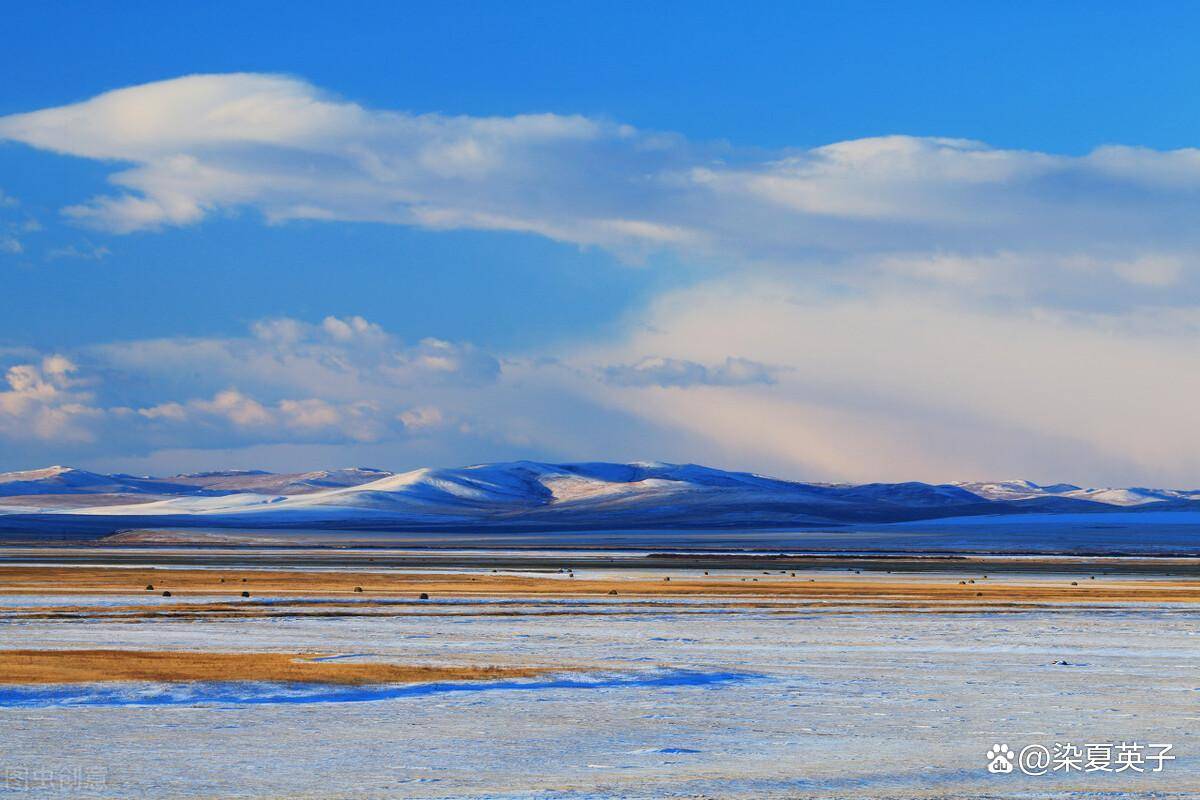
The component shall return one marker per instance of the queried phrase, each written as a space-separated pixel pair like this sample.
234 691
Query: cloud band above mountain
890 307
205 144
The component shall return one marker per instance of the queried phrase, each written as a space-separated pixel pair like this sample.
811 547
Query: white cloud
346 330
44 402
887 386
196 145
311 413
1152 270
344 359
423 417
173 411
288 381
343 385
891 307
923 385
861 387
239 409
241 418
658 371
14 225
83 252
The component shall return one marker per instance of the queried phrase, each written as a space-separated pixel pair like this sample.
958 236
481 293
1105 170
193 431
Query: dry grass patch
92 666
231 583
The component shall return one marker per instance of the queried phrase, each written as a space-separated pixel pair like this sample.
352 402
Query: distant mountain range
71 481
525 495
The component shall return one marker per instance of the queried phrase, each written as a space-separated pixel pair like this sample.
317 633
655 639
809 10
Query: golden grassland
90 666
232 583
217 594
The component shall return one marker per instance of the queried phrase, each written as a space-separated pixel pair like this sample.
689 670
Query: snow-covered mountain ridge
527 493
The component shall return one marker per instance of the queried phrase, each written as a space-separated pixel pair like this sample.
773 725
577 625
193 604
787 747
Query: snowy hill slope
234 481
585 495
68 480
1026 490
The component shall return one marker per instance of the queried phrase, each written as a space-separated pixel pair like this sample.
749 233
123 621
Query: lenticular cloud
194 145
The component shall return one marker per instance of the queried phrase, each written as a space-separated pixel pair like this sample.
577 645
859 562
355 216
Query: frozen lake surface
687 698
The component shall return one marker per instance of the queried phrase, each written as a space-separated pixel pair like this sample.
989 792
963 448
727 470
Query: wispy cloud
343 379
206 143
14 225
659 371
83 252
888 384
891 307
863 387
46 402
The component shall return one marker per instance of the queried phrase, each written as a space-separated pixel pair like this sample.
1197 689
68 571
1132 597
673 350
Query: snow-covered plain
687 699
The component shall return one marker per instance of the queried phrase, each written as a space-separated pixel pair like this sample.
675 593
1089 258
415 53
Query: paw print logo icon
1000 759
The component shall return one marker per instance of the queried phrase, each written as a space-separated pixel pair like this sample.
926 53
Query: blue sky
559 231
1061 77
